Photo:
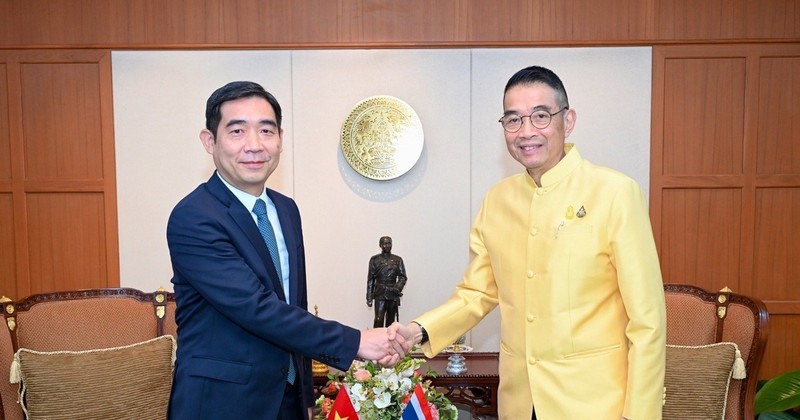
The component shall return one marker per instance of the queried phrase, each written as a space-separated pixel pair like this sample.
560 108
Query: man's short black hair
233 91
536 74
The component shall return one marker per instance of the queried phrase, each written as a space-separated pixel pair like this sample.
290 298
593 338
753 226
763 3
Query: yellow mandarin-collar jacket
574 269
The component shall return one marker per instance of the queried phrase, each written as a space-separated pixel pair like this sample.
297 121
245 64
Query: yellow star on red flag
342 408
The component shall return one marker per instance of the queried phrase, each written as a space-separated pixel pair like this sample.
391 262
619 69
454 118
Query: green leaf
776 416
779 394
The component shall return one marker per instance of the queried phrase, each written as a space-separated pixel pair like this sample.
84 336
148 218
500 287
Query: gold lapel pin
570 213
581 212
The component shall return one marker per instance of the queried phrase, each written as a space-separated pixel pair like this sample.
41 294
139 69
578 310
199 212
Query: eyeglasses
539 118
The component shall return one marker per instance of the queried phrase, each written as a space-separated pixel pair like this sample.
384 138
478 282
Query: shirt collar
247 199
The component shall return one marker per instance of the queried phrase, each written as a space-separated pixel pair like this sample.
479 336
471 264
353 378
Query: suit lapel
244 220
289 238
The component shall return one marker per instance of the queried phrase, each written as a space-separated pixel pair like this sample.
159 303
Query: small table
477 388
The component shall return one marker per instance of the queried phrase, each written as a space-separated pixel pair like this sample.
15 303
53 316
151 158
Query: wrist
421 336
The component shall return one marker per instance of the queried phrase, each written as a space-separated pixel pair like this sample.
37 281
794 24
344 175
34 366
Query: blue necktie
265 227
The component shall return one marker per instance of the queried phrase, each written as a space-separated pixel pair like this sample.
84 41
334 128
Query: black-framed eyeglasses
539 118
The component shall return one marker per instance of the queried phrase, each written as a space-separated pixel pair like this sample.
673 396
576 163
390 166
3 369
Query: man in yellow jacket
567 252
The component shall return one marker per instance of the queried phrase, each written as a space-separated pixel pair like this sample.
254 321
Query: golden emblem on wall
382 137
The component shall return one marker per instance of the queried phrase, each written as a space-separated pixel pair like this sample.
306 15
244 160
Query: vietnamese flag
342 408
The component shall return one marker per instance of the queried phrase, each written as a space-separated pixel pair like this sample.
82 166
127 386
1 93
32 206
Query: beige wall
159 100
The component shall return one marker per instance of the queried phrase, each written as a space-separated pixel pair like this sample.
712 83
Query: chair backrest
8 391
697 317
76 321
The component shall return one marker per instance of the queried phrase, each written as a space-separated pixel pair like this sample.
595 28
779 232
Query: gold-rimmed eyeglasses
539 118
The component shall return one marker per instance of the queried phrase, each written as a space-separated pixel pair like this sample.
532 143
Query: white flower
408 372
358 393
406 385
378 393
383 400
391 381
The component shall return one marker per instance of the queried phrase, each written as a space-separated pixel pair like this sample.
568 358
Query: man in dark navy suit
245 337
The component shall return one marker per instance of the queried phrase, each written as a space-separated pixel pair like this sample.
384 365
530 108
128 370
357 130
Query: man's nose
252 142
527 126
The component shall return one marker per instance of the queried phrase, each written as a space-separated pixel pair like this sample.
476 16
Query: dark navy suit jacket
235 328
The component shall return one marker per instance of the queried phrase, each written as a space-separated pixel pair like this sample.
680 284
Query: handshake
387 346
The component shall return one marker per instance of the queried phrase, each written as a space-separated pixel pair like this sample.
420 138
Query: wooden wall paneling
199 21
248 22
418 21
699 226
274 24
701 20
63 183
776 179
776 261
18 283
779 116
704 103
697 167
8 266
727 19
343 22
781 353
111 226
61 101
759 230
7 248
776 266
5 133
771 19
67 241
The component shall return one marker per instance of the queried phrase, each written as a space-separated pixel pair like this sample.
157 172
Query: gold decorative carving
382 137
12 323
160 311
318 368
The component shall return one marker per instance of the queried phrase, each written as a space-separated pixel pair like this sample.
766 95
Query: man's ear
569 121
207 138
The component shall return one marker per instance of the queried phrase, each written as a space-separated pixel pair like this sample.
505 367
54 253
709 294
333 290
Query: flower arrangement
382 393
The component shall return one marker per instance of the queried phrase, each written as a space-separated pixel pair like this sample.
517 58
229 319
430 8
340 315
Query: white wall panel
159 110
608 87
425 211
159 101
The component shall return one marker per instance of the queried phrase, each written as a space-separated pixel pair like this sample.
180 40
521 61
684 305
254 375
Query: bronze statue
385 282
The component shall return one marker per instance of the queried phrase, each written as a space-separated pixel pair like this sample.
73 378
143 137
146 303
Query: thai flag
417 408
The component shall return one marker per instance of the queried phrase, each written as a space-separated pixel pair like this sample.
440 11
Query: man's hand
411 332
379 345
399 342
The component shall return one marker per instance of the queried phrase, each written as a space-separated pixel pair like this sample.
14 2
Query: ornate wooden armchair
76 321
698 317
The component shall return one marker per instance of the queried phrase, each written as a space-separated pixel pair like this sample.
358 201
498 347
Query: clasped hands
387 346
